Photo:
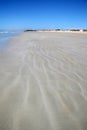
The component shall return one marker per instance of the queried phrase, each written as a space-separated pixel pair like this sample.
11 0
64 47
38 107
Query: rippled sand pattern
43 82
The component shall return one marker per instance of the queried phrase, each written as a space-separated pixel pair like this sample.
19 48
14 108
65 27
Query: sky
43 14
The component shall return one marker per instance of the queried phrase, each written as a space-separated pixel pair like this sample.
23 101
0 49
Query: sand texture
43 82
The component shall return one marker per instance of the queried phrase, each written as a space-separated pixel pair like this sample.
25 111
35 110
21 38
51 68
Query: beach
43 82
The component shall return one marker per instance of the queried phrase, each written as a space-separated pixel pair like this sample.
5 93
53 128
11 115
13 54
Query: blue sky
43 14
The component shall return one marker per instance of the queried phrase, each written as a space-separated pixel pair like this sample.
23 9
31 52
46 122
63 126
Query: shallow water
5 35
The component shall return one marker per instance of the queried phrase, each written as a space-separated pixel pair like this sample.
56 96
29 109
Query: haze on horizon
43 14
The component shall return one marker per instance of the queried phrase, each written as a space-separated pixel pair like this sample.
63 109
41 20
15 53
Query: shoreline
5 40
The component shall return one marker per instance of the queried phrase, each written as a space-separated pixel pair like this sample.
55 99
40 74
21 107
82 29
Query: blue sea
5 35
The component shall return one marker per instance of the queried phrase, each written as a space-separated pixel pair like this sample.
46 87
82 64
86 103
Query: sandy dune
43 82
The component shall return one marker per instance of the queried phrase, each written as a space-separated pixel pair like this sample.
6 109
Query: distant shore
59 30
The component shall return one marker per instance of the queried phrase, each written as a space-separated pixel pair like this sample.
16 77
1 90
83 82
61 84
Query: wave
6 32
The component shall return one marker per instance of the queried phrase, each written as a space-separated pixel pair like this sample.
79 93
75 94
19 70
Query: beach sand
43 82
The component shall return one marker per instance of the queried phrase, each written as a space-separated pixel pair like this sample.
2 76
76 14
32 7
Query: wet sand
43 82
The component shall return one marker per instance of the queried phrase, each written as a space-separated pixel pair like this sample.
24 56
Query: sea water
5 35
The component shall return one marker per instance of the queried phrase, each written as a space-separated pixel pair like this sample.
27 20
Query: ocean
5 35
